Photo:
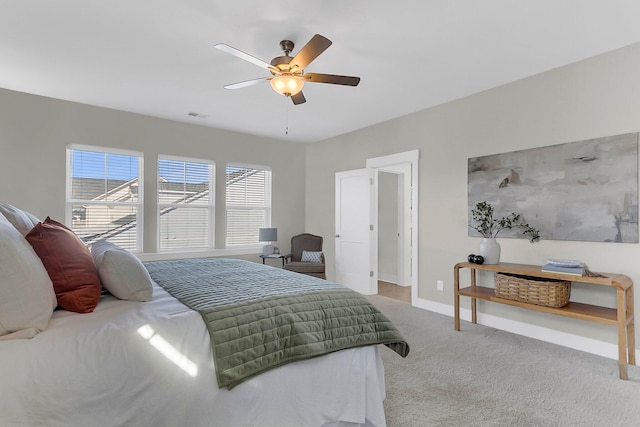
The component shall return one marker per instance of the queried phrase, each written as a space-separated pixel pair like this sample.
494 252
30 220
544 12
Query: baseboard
390 278
564 339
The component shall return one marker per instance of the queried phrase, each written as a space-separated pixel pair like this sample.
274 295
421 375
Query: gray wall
388 227
596 97
34 132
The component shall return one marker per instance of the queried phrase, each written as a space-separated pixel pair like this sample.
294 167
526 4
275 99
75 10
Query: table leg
631 333
456 298
622 333
474 318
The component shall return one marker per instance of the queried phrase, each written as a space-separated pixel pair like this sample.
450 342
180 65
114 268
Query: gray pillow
311 256
121 273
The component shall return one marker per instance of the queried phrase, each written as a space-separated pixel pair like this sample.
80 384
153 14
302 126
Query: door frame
390 163
403 214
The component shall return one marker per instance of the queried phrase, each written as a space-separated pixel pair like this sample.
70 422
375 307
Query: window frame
211 206
139 205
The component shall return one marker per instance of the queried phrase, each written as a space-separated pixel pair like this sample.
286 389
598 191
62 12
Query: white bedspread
110 368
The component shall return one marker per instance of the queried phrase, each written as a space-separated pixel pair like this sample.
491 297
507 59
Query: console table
621 316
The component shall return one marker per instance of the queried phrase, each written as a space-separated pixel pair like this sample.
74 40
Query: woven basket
550 293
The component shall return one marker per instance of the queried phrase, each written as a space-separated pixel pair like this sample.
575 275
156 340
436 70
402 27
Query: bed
151 362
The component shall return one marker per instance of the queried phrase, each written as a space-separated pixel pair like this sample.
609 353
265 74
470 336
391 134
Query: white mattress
104 369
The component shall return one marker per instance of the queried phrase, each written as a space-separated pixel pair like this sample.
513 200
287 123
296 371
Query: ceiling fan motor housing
281 63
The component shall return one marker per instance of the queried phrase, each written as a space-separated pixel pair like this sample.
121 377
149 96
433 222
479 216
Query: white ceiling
156 57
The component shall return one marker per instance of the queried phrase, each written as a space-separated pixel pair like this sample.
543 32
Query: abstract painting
585 190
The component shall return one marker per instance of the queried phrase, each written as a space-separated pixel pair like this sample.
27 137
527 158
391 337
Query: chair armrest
288 257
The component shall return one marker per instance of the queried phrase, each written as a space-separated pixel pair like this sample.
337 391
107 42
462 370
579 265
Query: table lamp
267 235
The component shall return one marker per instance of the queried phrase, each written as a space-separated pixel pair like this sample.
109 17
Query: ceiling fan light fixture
287 85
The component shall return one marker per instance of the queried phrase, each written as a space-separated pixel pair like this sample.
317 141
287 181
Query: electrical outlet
440 285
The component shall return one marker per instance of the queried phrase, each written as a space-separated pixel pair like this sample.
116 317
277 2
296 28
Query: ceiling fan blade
310 51
331 78
242 55
298 98
247 83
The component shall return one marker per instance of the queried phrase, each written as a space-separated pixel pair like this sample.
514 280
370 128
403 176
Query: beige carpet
485 377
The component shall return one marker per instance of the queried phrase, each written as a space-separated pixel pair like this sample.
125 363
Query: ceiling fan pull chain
286 125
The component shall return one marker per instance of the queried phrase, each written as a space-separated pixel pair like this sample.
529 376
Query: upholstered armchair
306 255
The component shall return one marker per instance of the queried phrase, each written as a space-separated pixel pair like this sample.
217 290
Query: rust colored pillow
69 264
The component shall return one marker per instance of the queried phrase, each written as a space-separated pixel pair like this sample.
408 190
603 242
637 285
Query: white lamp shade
268 234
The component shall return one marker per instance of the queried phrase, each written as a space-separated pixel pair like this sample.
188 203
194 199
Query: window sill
207 253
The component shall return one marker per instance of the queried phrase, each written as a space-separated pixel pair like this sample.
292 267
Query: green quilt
260 317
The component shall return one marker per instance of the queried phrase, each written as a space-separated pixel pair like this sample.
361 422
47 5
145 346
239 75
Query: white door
355 254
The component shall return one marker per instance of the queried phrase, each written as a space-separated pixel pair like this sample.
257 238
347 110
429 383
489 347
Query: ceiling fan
287 73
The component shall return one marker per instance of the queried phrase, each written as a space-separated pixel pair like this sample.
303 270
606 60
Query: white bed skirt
150 364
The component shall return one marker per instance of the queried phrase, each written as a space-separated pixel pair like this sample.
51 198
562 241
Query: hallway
391 290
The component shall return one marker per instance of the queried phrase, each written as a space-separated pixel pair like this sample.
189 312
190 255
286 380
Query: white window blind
248 203
185 203
104 199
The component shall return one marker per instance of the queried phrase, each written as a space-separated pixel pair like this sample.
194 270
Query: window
104 195
185 203
248 203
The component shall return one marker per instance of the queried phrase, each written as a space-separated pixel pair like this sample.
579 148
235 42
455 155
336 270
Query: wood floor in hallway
391 290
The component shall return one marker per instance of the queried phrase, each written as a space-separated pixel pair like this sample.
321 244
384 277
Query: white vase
490 251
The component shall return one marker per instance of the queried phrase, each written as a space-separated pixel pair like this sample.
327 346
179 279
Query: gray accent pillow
311 256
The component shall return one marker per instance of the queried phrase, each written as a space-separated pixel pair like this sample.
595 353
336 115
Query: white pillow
121 273
23 221
311 256
27 299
